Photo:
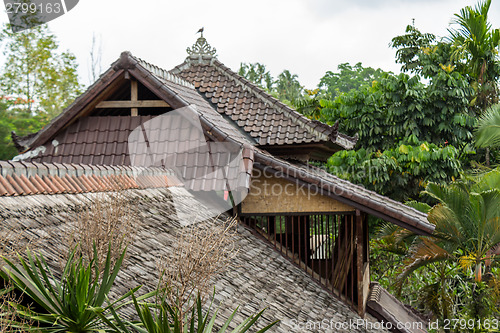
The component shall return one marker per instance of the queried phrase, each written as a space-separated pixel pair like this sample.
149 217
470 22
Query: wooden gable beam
133 104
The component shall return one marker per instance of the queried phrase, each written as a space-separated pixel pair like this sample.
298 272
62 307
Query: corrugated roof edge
324 131
27 178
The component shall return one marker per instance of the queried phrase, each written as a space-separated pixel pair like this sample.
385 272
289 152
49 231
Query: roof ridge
161 72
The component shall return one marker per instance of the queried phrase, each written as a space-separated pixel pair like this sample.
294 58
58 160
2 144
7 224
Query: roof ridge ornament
201 47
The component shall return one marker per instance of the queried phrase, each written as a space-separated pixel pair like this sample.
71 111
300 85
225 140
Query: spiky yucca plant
69 303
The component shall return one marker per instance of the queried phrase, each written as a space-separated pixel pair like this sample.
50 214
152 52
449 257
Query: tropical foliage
349 78
285 87
467 219
18 119
64 304
421 134
78 300
400 106
459 261
401 172
401 117
488 129
257 73
161 317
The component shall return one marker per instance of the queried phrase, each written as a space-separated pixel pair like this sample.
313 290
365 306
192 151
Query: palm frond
488 128
420 206
421 254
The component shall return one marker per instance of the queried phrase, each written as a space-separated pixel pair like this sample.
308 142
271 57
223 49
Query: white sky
308 37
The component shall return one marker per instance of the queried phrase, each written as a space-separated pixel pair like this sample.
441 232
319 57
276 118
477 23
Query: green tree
409 47
414 127
475 47
288 87
7 149
258 74
349 78
14 116
285 87
401 172
309 104
36 71
467 218
399 106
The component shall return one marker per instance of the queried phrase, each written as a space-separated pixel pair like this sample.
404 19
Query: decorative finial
201 31
201 47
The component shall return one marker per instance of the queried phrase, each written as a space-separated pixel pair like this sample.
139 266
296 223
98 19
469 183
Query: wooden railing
329 247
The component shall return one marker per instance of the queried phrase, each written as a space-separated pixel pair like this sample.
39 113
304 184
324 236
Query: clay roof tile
15 185
28 183
7 187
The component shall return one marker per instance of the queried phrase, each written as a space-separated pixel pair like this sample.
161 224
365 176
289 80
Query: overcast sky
308 37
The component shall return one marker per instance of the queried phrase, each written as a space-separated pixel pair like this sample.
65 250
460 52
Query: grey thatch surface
260 277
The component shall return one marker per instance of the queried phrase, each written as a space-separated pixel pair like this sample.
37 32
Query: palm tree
467 220
476 44
467 236
257 74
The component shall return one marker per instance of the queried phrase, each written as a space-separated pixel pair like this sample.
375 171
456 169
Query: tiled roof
258 278
162 73
263 117
90 140
68 115
169 87
105 141
17 178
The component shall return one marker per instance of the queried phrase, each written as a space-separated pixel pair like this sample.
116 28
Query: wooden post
360 262
134 112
